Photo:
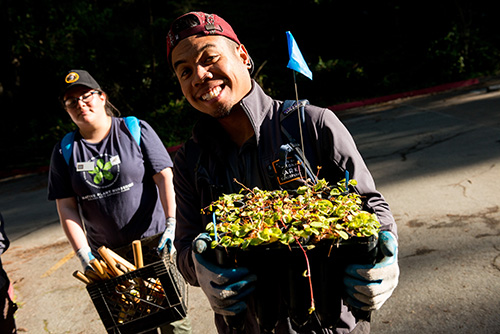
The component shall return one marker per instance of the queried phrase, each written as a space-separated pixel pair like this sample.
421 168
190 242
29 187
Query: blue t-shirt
113 182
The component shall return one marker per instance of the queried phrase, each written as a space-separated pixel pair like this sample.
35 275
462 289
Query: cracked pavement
436 159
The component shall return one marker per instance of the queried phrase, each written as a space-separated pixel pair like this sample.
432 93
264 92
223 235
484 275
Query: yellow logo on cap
72 77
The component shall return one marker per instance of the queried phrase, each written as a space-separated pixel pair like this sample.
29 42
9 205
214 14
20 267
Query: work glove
225 288
201 243
369 286
167 239
85 255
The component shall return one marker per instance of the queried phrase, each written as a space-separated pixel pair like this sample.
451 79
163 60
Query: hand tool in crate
134 298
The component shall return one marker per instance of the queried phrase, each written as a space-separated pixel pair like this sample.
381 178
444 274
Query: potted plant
300 241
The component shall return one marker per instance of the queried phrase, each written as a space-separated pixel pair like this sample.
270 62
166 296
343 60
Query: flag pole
300 116
298 64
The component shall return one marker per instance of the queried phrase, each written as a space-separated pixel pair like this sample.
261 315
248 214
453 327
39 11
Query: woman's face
85 105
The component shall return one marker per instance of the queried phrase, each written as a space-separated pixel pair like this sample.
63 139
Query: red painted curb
173 149
435 89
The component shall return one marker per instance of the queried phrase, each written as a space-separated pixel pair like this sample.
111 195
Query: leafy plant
101 170
312 213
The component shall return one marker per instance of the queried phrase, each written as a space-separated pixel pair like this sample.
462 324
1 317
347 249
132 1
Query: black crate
143 299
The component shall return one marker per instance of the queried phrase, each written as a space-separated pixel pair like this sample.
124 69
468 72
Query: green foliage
173 121
309 215
101 171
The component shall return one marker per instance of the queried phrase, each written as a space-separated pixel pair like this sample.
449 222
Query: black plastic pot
327 263
283 289
267 263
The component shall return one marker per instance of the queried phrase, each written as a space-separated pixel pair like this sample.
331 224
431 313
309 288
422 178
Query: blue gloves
167 239
369 286
225 288
84 254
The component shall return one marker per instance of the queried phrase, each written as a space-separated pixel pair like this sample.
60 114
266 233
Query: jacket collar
257 105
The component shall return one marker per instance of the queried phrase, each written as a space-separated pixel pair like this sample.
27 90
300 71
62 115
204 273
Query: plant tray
143 299
286 290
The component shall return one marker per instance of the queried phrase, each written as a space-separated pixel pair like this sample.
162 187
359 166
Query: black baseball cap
78 77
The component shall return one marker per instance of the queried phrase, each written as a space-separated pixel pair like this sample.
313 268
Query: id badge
115 160
85 166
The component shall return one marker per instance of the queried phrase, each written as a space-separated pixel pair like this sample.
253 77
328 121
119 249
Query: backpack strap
290 105
293 147
67 145
134 127
131 122
287 109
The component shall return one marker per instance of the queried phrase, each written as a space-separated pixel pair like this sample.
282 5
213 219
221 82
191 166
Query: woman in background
110 187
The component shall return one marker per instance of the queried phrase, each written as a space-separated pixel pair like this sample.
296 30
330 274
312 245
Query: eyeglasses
86 98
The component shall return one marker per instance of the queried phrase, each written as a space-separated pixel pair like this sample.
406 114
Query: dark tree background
355 50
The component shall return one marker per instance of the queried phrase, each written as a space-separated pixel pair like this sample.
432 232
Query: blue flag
296 62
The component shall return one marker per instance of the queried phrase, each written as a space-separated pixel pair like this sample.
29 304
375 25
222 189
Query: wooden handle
122 267
137 249
92 275
110 261
122 261
105 267
96 264
79 275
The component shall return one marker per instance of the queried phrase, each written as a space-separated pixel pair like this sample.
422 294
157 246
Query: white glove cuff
84 255
170 223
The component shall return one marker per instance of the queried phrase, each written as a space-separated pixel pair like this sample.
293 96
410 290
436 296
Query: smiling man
214 76
240 137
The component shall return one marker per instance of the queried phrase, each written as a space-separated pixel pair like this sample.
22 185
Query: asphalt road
436 158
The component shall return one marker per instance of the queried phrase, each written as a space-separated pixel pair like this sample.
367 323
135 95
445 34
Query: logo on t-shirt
102 171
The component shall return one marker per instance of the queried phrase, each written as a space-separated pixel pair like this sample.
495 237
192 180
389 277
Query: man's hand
167 239
201 243
225 288
369 286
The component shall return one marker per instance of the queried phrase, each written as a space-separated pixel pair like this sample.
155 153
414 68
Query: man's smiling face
213 73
